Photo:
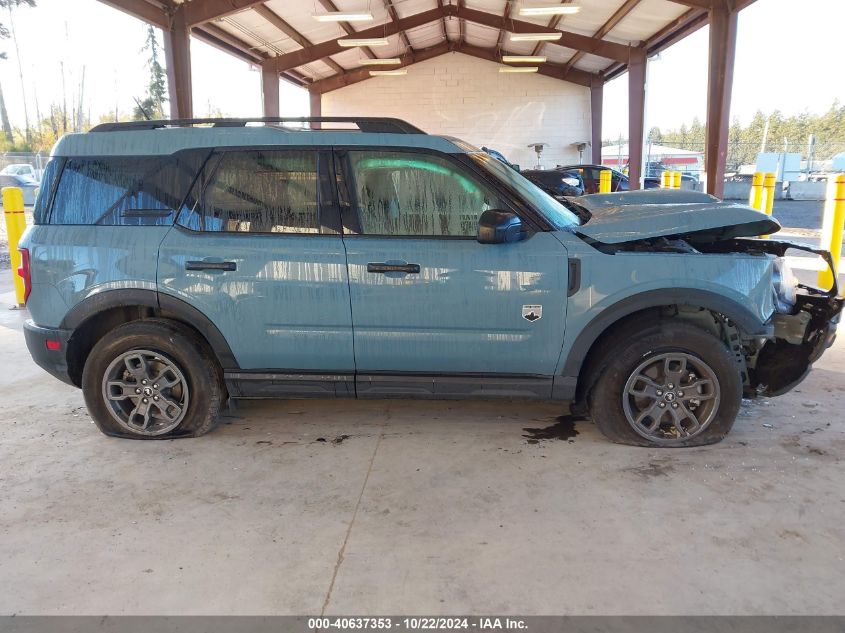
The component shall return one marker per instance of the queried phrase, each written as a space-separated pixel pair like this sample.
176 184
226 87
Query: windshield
554 211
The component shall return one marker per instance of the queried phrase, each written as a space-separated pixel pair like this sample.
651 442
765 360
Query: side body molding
165 305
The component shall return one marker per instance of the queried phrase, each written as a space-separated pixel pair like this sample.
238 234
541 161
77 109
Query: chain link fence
9 161
816 161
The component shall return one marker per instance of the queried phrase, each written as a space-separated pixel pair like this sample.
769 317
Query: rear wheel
668 384
152 379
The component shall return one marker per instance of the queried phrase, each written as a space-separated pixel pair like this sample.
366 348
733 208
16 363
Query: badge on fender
532 313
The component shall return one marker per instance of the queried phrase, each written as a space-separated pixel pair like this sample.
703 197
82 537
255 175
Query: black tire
648 346
163 346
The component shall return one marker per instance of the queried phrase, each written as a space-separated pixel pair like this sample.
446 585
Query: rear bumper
53 362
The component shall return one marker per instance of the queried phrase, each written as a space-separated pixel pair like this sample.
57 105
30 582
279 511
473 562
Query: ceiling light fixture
370 41
340 16
388 73
531 59
560 10
518 69
381 61
535 37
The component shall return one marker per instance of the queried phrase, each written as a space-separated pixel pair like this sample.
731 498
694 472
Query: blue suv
176 264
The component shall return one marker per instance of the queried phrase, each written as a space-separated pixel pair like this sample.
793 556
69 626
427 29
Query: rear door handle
382 267
204 265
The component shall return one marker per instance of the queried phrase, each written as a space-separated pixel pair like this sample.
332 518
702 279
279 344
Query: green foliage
152 105
9 5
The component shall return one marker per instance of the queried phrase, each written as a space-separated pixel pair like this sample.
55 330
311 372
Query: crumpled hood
634 215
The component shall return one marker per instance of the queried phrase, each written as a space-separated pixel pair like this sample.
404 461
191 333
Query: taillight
23 271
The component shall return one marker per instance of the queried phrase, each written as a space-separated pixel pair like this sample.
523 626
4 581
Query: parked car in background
556 182
20 169
590 174
171 267
28 185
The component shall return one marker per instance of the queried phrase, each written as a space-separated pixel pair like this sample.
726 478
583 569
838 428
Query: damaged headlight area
785 285
804 323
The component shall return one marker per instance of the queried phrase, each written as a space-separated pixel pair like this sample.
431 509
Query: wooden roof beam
593 45
324 49
200 11
293 34
676 30
696 4
140 9
588 44
226 42
553 23
394 17
362 74
607 27
506 14
443 20
549 70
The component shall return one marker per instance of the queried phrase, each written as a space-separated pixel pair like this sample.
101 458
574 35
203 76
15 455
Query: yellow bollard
768 193
665 180
834 221
604 180
755 196
15 225
676 180
768 203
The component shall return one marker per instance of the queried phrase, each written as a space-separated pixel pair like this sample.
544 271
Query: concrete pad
412 507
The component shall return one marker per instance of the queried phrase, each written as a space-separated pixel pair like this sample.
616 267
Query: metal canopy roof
283 36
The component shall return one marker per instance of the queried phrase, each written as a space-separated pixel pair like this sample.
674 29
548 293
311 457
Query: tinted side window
119 190
263 191
400 193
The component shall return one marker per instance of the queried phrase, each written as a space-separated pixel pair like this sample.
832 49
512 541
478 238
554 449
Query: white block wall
463 96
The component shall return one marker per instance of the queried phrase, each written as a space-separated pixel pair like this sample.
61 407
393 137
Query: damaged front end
804 322
804 319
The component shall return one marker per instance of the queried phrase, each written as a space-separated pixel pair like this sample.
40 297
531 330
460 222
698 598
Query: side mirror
571 181
500 227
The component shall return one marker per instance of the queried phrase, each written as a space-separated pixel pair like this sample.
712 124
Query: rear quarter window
123 190
39 211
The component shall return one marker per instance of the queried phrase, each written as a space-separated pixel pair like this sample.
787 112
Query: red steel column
636 114
316 106
596 103
177 55
719 84
270 92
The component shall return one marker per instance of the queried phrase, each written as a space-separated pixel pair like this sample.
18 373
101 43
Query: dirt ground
410 507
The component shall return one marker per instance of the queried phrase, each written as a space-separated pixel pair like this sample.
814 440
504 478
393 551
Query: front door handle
383 267
205 265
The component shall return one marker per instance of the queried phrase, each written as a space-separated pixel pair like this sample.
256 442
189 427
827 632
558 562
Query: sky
788 58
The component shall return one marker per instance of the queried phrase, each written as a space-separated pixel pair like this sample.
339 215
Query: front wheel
670 384
152 379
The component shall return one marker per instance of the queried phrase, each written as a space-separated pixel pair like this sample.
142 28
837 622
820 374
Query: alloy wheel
145 392
671 397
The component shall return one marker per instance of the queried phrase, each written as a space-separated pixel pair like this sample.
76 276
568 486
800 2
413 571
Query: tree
152 105
655 136
784 132
5 33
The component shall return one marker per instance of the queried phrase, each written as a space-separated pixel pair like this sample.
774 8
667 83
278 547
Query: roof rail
365 124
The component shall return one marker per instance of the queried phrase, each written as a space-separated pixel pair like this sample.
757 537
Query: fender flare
746 320
166 306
